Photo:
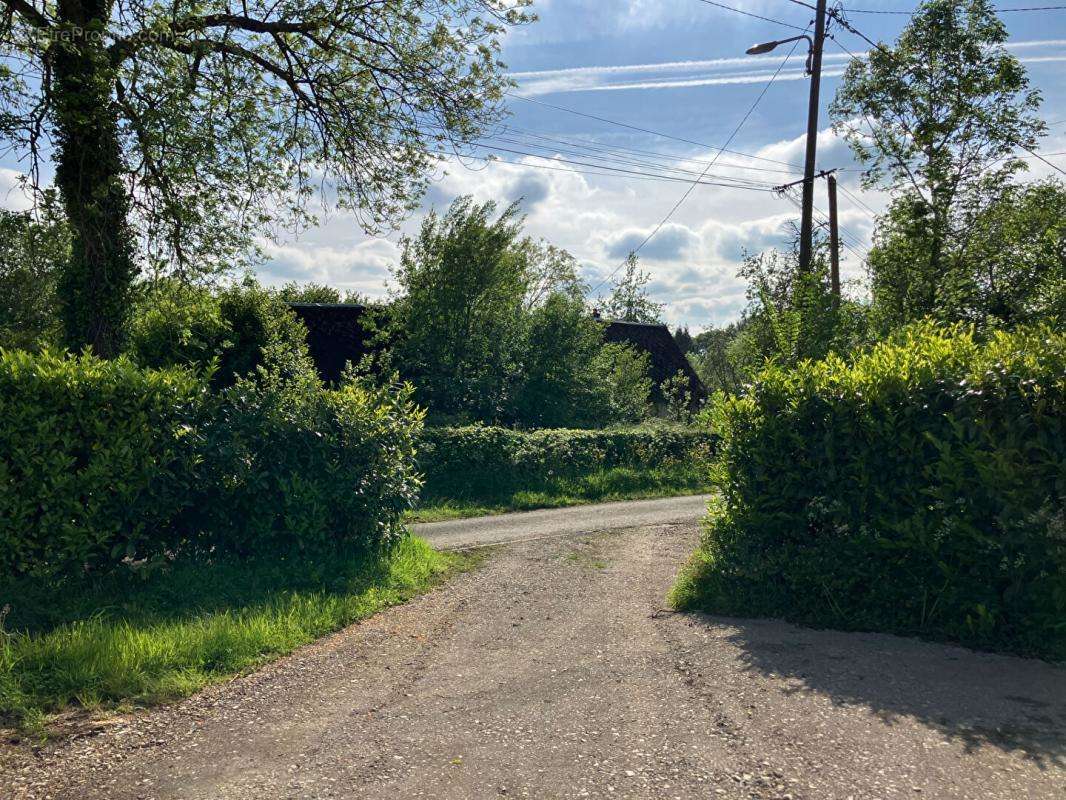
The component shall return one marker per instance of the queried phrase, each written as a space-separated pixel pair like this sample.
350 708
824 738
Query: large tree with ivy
182 130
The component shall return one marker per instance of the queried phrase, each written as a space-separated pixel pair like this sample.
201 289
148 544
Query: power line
859 202
613 169
616 148
647 130
609 172
688 191
912 12
756 16
1039 157
612 159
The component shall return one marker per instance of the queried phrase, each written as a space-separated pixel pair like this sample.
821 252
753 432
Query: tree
714 360
181 130
463 283
684 339
629 299
1005 266
31 250
938 118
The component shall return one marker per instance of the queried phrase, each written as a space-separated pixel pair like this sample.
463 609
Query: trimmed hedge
918 490
102 462
95 460
478 460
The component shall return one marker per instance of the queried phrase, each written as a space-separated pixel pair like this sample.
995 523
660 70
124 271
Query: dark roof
337 333
665 356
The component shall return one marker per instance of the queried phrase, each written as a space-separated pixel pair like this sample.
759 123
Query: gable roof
665 356
336 334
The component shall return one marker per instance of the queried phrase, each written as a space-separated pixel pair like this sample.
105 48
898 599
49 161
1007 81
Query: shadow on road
981 699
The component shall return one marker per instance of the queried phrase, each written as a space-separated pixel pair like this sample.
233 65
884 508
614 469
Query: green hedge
95 460
918 490
475 460
102 462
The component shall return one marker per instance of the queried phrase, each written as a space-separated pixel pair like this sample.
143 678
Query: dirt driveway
552 673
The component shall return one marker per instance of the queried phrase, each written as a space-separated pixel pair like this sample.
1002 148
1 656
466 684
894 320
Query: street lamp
766 47
814 69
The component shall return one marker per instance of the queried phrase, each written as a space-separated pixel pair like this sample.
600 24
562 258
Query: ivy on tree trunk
95 283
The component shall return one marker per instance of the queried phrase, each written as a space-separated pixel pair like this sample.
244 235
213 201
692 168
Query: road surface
553 672
527 525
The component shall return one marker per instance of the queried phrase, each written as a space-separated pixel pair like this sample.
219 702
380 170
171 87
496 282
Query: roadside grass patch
151 636
479 496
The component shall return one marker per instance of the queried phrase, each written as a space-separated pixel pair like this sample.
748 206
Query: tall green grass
135 639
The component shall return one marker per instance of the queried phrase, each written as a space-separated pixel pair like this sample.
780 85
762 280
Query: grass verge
145 638
477 498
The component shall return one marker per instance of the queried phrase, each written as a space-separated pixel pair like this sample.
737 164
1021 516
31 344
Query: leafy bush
101 461
95 459
177 325
232 332
480 461
290 465
917 490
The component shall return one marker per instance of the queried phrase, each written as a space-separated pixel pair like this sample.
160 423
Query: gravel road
553 672
527 525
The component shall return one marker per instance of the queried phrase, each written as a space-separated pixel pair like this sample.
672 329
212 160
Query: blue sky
676 67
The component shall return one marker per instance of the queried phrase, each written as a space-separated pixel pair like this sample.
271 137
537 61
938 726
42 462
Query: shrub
95 459
231 332
479 461
917 490
177 325
101 462
287 465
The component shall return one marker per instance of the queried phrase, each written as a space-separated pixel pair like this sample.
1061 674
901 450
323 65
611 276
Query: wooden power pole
834 240
807 220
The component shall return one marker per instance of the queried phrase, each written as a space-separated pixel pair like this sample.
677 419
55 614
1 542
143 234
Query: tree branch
29 13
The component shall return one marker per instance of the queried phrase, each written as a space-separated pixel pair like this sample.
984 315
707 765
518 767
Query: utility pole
814 69
807 221
834 241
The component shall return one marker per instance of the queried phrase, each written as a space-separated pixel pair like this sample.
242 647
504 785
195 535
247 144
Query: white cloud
12 195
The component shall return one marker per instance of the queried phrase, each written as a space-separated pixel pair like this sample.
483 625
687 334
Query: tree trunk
95 285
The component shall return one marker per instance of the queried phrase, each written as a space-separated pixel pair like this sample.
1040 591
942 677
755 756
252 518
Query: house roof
336 334
665 356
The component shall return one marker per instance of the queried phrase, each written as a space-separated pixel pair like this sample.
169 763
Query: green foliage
135 637
714 357
557 388
629 299
232 332
938 119
463 281
681 407
1006 266
293 292
102 461
76 86
96 460
31 252
621 374
483 462
287 465
492 327
175 324
918 490
264 334
228 123
792 315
